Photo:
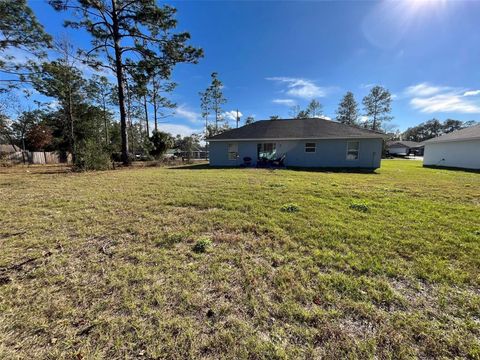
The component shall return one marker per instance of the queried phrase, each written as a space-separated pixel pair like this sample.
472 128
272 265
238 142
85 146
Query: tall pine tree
126 33
378 105
347 112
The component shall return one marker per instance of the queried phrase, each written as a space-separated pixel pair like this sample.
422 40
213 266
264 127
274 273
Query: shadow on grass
450 168
320 169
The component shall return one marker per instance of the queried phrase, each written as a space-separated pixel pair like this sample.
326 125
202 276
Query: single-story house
298 143
404 148
460 149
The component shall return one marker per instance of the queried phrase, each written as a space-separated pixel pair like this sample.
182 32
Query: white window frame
314 147
358 150
232 151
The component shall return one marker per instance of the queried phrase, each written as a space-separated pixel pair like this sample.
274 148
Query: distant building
404 148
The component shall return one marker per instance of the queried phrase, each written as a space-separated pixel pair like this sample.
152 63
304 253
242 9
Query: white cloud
183 113
302 88
286 102
449 102
175 129
232 115
471 93
424 89
366 86
431 99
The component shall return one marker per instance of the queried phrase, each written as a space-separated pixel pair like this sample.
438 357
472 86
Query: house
299 143
460 149
404 148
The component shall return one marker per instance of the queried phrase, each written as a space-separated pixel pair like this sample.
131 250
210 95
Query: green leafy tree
433 128
130 33
249 120
274 117
161 142
61 81
187 144
347 112
23 124
378 105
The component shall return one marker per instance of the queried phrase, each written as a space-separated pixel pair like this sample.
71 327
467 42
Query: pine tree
378 105
20 29
128 34
217 100
347 112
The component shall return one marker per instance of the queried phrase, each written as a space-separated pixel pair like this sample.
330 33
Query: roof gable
312 128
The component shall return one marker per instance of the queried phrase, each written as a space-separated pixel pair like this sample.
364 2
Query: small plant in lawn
359 207
290 208
202 245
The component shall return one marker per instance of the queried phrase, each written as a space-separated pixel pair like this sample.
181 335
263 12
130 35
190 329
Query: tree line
431 129
133 42
377 106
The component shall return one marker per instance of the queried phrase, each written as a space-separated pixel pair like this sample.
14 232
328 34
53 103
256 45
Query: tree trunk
105 120
146 114
72 133
121 90
154 86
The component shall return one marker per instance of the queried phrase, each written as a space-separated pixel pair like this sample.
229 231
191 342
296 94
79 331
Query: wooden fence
36 157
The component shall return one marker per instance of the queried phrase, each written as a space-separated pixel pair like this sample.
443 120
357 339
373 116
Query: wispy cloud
471 93
425 89
183 113
366 86
286 102
301 88
431 99
182 130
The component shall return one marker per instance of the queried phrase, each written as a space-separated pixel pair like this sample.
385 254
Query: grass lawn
240 263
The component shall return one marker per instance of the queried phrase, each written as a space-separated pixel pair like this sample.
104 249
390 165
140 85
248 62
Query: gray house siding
328 153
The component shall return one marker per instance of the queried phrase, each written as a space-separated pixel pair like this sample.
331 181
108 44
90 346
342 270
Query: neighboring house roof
409 144
470 133
296 129
8 149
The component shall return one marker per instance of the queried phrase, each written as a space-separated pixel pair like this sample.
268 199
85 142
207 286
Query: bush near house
100 265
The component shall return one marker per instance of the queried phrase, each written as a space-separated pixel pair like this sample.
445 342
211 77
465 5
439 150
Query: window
310 147
266 151
352 150
232 151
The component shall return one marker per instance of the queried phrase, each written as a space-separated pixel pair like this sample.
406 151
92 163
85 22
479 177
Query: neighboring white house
460 149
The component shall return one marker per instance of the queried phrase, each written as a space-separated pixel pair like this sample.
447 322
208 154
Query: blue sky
271 55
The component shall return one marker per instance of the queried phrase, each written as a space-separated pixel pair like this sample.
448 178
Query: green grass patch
104 264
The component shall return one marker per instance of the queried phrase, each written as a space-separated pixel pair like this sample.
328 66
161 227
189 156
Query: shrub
92 156
359 207
202 245
290 208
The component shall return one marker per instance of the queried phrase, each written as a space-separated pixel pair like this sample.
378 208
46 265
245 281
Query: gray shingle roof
470 133
296 129
400 143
